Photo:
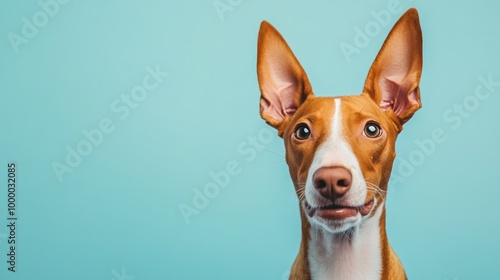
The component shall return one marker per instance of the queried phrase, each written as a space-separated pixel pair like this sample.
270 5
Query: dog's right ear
283 83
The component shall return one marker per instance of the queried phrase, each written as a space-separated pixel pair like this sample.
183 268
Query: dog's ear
283 83
393 79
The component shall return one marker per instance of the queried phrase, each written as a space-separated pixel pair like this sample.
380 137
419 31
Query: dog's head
340 150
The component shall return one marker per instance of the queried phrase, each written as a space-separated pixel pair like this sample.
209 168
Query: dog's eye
372 130
302 132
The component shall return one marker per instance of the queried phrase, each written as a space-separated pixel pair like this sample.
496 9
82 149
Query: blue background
117 213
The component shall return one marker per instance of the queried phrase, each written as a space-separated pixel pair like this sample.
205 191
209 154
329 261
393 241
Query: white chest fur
353 256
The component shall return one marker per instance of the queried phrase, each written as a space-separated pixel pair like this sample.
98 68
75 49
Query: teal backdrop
140 154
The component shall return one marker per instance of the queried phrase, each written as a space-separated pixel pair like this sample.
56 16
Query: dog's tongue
365 209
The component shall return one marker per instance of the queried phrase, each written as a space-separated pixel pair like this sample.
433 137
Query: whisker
274 153
376 190
301 191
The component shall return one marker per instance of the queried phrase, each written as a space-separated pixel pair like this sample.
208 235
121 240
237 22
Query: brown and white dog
340 151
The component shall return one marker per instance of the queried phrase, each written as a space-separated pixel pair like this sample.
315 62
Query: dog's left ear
393 79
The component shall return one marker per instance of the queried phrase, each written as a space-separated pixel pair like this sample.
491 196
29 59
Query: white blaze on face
329 255
336 151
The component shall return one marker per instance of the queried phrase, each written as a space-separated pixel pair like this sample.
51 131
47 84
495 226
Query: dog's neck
355 254
363 253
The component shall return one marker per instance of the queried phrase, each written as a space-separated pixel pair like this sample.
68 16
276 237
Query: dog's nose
332 182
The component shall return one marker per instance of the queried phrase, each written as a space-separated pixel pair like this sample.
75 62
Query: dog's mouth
338 212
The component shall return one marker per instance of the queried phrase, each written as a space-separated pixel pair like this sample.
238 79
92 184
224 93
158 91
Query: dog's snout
332 182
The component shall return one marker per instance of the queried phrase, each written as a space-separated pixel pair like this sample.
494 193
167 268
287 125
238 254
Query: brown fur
287 100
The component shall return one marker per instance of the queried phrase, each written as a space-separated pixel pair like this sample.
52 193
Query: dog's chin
335 226
337 219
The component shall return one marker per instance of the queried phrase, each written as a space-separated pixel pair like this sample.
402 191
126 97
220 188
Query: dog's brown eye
372 130
302 132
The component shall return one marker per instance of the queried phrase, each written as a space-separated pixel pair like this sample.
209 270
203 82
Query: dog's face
340 150
330 140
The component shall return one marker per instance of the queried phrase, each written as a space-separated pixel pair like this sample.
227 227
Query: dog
340 151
